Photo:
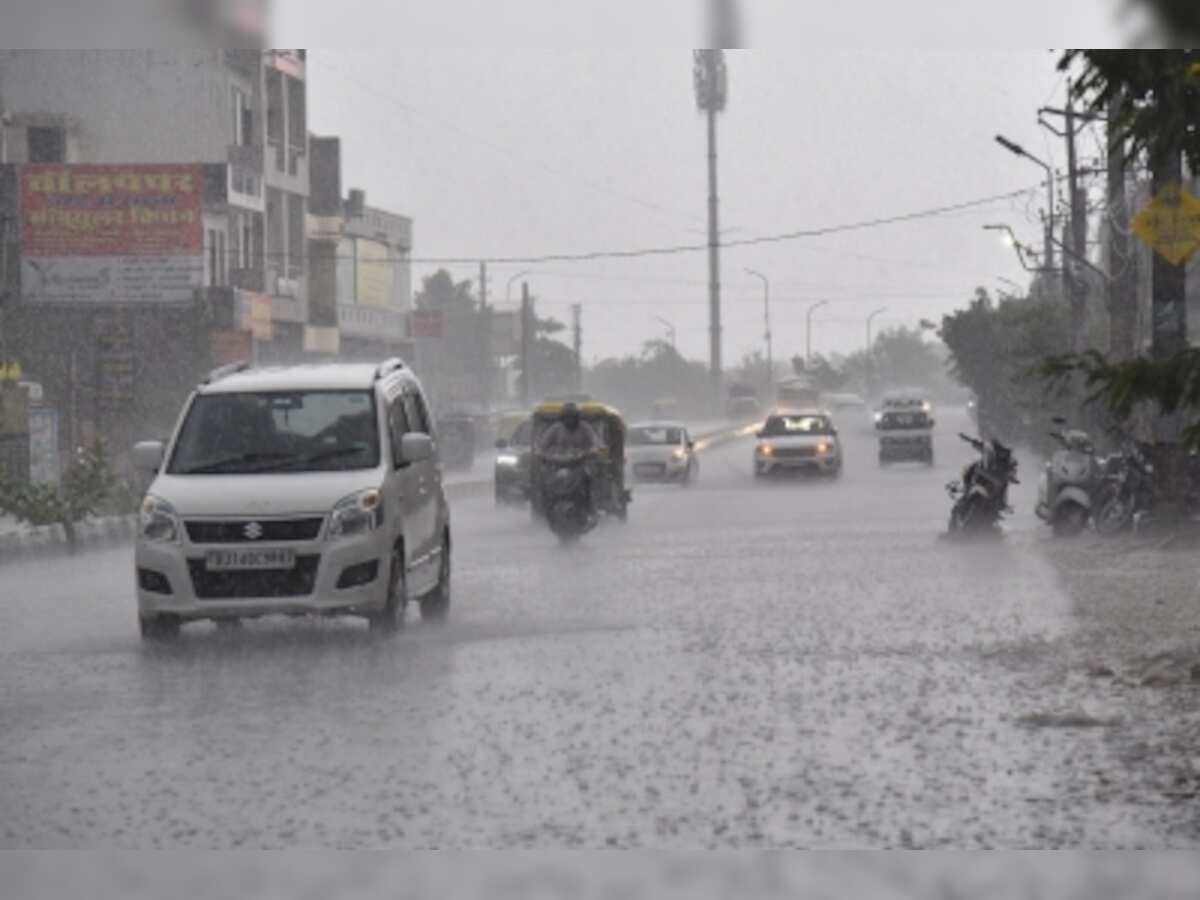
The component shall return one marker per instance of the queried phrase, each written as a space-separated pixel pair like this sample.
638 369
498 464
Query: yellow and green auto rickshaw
608 486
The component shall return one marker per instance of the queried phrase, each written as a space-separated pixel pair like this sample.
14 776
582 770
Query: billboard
111 233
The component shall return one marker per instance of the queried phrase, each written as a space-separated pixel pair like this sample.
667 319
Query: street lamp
1015 148
508 287
670 330
767 325
870 319
808 330
1010 239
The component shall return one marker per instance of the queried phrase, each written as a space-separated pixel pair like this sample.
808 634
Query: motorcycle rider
568 436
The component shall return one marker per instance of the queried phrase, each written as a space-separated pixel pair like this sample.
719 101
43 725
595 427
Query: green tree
85 486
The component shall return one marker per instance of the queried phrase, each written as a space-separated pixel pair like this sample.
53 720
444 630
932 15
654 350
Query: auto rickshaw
608 486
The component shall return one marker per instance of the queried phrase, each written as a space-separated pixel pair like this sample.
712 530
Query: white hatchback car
805 440
662 451
295 490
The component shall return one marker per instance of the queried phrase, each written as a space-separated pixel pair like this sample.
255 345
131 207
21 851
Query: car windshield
783 426
309 431
644 435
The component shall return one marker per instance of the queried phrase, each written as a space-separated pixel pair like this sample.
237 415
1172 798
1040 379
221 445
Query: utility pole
808 331
711 83
1122 285
767 328
526 327
485 340
577 342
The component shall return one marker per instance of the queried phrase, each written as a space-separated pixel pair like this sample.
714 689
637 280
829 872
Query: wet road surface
790 663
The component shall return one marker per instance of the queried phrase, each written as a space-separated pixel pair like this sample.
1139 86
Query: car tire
159 629
435 606
389 619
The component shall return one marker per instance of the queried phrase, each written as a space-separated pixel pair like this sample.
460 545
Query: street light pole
870 319
508 287
710 81
670 330
767 326
808 330
1012 147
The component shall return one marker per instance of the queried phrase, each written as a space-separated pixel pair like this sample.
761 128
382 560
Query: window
47 145
211 274
242 120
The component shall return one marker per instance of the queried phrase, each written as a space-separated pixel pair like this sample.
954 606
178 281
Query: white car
305 489
804 440
661 451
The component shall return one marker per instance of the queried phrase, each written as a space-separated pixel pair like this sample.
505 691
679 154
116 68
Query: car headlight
763 450
356 514
679 454
508 459
159 521
824 447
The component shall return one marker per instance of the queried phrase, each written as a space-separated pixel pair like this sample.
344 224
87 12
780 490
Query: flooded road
789 663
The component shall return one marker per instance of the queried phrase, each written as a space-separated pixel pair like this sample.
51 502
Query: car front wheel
388 619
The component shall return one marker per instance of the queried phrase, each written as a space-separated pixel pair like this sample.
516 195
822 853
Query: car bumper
767 464
670 470
310 588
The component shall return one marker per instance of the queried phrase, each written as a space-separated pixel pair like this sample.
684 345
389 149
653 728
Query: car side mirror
415 447
148 455
501 444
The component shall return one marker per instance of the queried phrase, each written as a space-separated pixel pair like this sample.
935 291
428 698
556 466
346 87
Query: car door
403 488
428 473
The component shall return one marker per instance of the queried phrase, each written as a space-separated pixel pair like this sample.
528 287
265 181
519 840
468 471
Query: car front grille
795 452
297 581
244 531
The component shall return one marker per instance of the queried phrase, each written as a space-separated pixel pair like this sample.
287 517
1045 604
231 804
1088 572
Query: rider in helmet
570 434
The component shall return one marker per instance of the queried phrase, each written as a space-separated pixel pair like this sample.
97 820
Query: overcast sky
505 151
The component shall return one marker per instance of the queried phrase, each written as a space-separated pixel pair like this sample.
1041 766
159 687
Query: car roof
805 411
306 376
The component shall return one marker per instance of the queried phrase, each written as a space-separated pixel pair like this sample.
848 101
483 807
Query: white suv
303 489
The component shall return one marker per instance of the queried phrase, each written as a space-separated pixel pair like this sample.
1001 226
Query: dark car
512 465
905 435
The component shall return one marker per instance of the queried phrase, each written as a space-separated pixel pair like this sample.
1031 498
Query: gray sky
517 152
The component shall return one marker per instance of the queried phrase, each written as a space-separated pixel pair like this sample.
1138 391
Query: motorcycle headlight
356 514
159 521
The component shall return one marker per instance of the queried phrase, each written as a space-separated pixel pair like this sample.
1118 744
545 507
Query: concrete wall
108 98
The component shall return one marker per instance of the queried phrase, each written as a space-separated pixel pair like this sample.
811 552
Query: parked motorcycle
981 496
1069 482
566 501
1126 491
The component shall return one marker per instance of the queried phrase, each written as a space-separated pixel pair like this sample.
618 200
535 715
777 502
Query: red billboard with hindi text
111 233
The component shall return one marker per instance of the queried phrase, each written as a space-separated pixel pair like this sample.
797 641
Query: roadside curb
47 540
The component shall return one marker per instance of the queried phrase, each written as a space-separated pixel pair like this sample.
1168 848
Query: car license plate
268 558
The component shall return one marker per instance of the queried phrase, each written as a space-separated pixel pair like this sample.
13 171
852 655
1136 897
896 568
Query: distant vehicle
511 468
804 440
306 489
662 451
797 394
905 434
838 401
743 409
666 408
904 400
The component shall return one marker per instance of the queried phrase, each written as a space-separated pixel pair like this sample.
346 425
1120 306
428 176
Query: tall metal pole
870 319
808 330
714 260
710 81
485 340
508 287
526 327
577 334
767 326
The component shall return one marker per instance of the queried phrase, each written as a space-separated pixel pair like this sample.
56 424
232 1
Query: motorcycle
1069 482
1127 491
566 502
981 497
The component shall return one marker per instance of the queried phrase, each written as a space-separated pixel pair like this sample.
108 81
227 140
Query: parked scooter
981 497
1127 490
1068 483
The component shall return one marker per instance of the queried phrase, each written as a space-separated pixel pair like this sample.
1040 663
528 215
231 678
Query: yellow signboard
1170 224
10 371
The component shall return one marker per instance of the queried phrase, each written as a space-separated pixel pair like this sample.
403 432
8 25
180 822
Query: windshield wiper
240 460
328 455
